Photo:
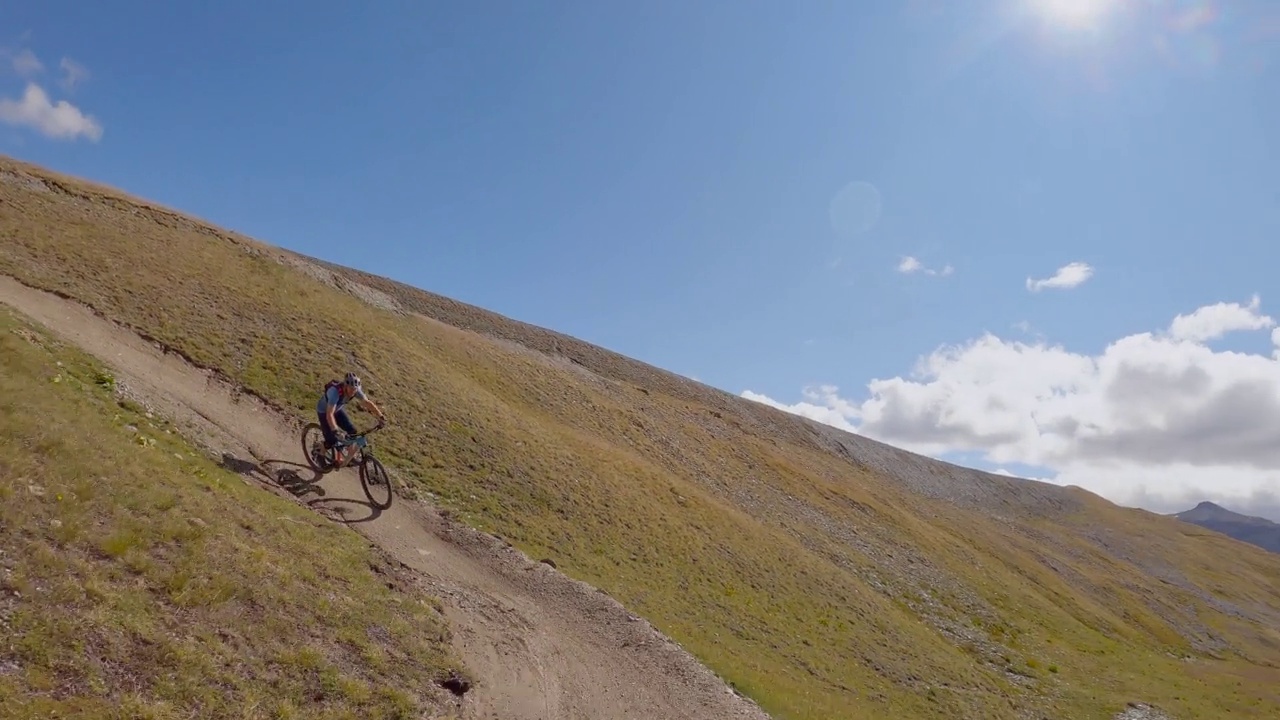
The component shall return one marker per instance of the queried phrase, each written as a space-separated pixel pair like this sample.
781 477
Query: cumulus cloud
1068 276
910 265
1156 419
823 404
60 120
1213 321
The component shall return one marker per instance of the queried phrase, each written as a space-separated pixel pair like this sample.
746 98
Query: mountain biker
331 410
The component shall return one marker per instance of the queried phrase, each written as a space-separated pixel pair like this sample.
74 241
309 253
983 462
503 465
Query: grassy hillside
824 574
138 579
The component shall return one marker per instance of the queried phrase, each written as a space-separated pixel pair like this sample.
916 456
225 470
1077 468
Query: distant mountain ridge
1246 528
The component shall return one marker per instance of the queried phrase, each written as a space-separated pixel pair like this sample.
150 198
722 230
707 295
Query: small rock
456 684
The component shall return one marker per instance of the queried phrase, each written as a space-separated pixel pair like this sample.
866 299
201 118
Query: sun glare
1074 13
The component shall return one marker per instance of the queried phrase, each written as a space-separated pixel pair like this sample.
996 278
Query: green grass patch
138 579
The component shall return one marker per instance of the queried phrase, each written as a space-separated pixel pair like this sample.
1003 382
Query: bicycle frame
359 440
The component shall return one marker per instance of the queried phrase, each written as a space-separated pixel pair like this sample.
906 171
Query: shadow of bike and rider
302 481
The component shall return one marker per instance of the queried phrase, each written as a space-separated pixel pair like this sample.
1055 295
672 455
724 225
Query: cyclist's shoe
327 458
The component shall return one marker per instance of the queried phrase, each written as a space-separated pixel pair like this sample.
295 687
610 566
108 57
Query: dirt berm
542 646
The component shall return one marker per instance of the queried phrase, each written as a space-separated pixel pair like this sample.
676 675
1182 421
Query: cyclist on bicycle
330 409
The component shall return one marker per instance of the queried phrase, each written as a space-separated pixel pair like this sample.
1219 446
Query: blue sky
729 189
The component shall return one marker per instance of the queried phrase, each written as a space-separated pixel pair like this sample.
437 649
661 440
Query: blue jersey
333 396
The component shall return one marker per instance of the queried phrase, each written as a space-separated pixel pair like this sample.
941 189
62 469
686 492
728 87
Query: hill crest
1254 530
816 570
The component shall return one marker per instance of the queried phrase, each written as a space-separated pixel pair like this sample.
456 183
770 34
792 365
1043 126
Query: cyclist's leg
344 422
330 439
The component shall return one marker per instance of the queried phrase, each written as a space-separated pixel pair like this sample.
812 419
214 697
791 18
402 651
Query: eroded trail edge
542 646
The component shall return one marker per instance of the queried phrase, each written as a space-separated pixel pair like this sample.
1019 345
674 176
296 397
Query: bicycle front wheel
376 482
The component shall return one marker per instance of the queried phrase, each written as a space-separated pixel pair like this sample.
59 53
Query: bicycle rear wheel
313 447
376 481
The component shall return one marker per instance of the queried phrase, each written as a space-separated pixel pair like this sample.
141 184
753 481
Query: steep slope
515 620
139 579
1246 528
823 574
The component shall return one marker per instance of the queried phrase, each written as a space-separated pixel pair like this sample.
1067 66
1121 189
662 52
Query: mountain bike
372 473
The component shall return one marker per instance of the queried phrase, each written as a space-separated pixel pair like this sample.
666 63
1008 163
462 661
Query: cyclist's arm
371 406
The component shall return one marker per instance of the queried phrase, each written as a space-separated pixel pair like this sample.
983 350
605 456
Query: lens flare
1074 13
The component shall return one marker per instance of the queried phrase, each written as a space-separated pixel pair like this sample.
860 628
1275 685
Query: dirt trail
543 646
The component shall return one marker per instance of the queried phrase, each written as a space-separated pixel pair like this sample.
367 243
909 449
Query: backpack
329 385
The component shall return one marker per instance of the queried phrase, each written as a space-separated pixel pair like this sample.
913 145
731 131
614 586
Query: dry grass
822 574
140 580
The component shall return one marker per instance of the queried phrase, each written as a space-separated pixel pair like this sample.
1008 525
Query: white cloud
1068 276
26 64
60 120
1214 321
910 265
73 73
1155 419
823 404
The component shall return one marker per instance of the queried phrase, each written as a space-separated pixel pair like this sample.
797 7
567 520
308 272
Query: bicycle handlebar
366 432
